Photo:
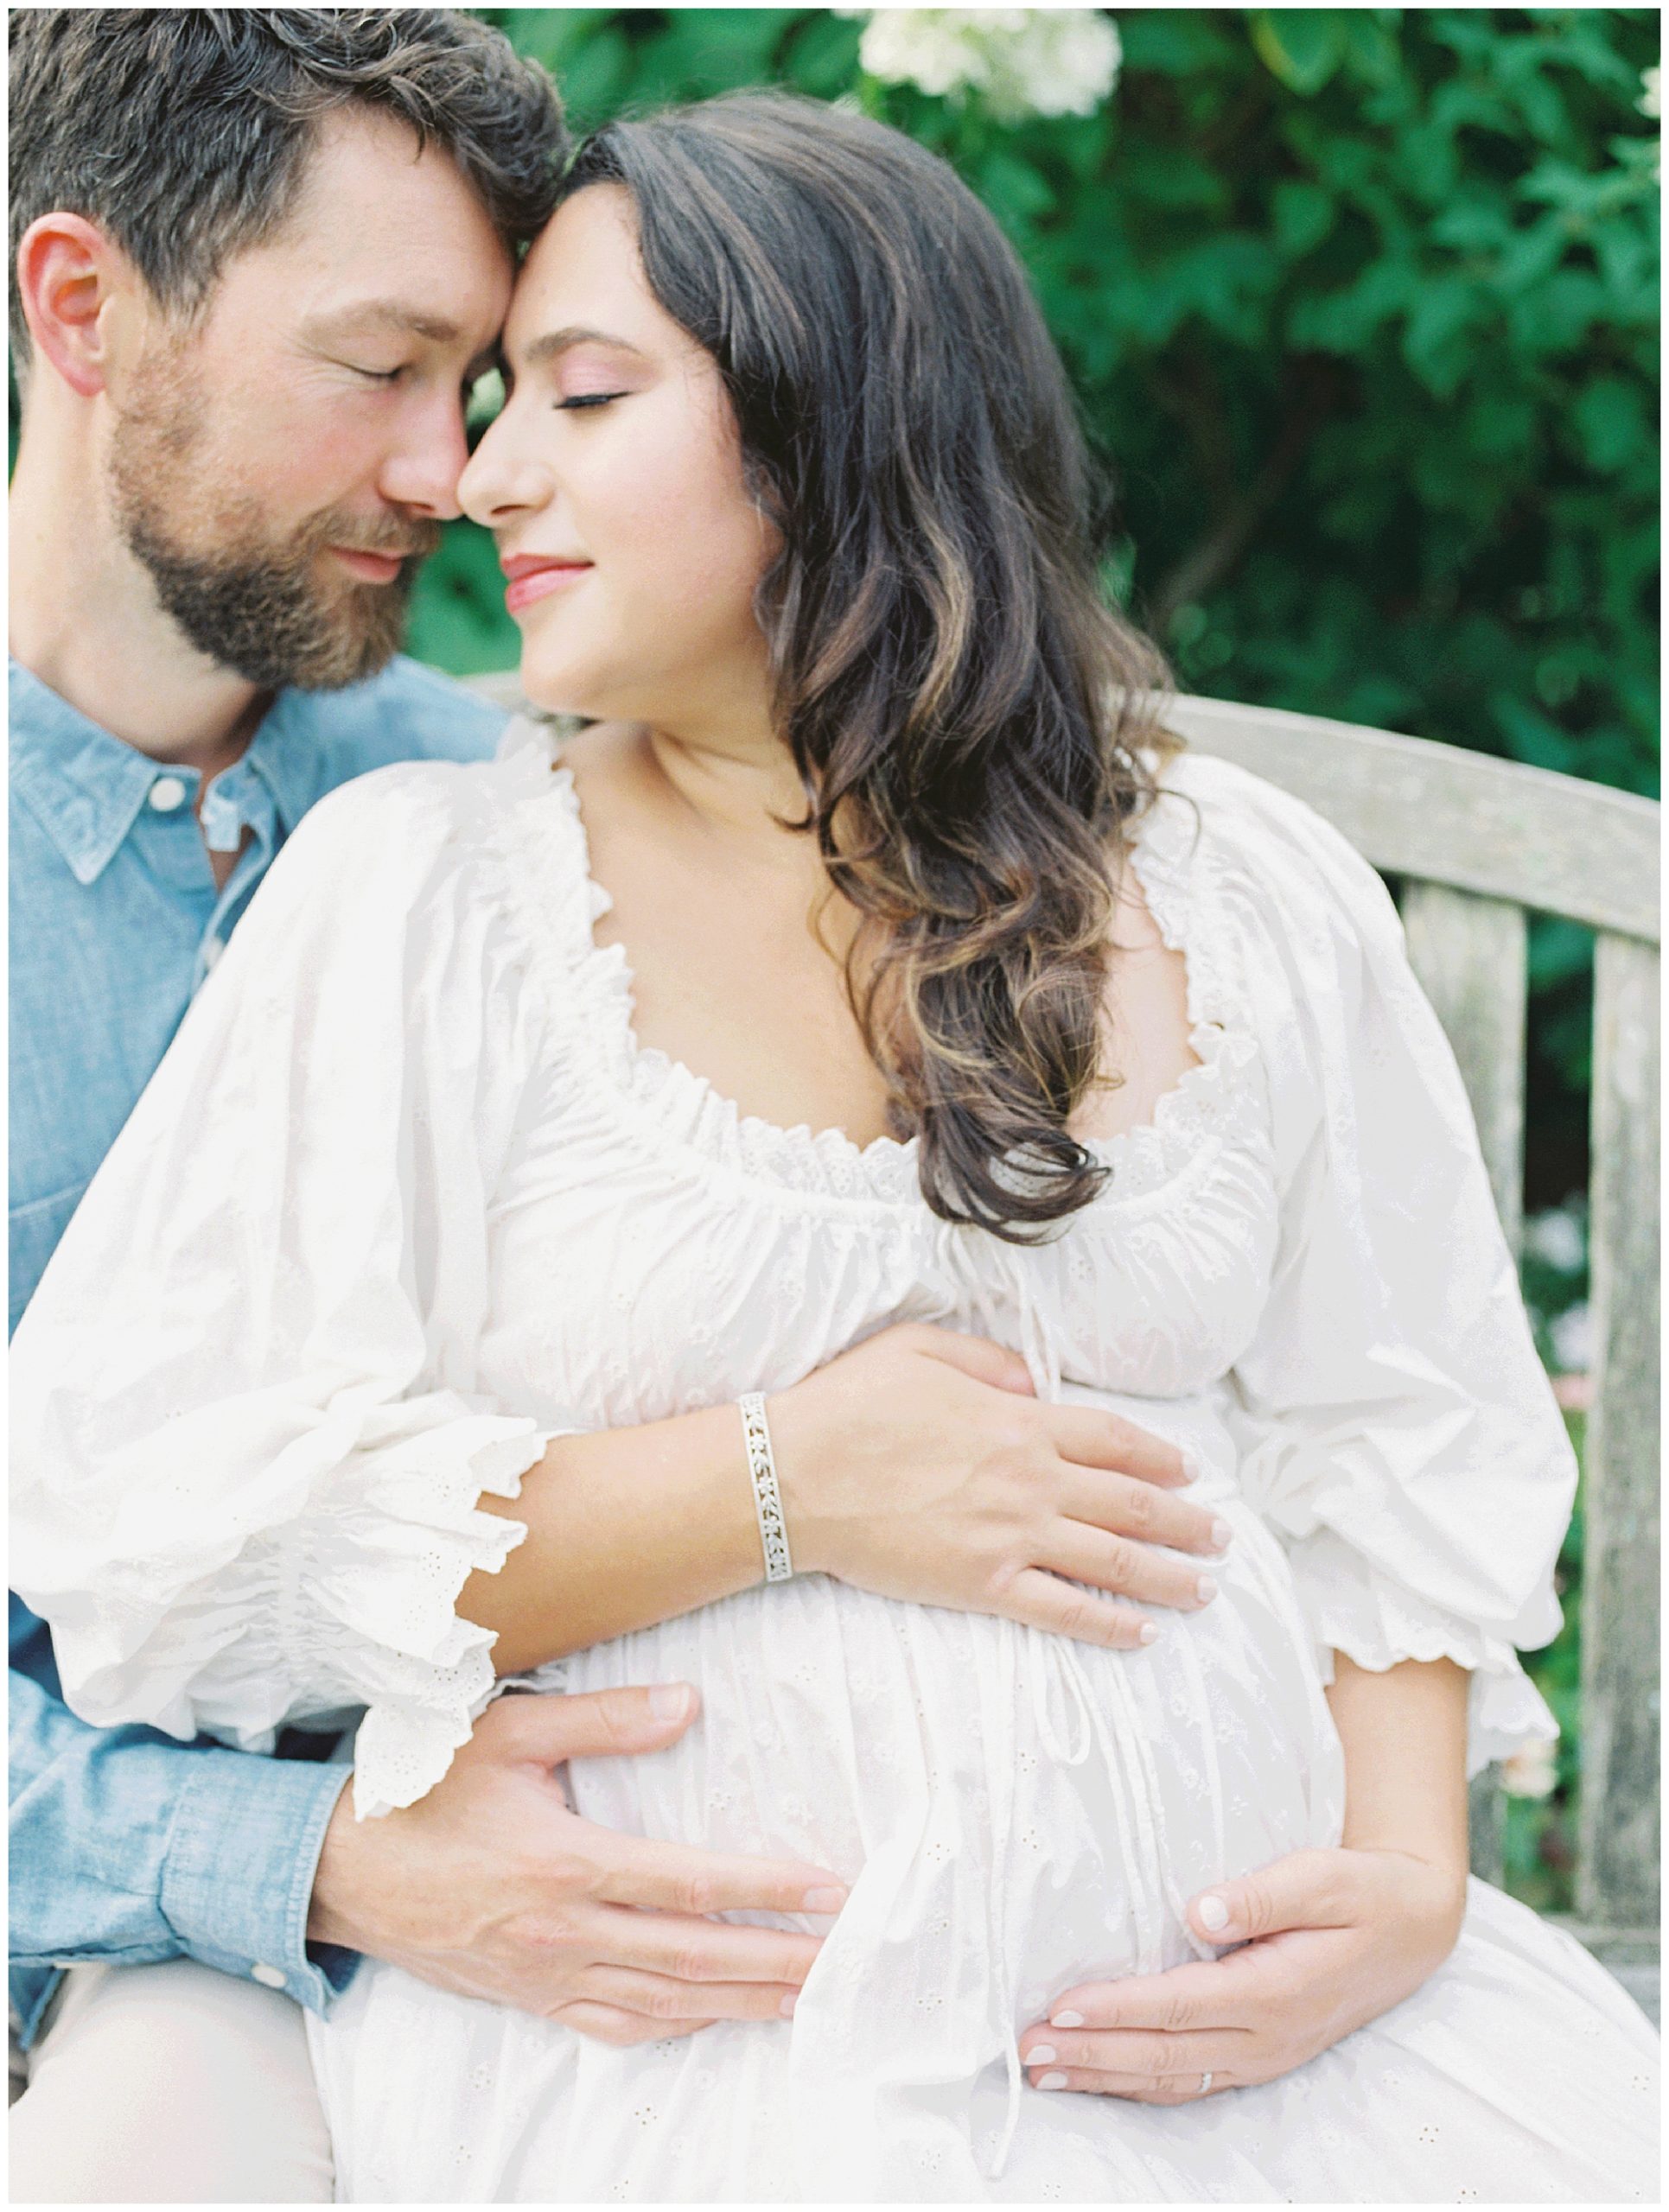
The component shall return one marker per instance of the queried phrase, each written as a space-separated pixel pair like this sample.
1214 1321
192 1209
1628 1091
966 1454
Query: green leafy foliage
1362 307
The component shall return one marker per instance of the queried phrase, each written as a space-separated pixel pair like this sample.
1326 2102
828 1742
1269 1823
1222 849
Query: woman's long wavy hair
959 701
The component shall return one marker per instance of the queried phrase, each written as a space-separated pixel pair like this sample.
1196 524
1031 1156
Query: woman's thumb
1302 1889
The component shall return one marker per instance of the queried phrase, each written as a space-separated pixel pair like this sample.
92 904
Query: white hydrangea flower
1019 61
1531 1772
1557 1237
1651 95
1574 1340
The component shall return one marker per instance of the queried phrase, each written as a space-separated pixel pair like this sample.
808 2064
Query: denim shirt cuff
238 1878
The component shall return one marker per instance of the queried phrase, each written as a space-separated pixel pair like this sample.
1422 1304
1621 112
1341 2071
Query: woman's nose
502 479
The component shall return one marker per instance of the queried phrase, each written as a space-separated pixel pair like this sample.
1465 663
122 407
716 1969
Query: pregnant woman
868 958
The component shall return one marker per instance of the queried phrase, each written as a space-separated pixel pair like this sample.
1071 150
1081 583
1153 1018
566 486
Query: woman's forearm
1404 1734
625 1528
917 1464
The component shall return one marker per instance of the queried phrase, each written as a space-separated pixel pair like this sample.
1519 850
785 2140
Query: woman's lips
537 579
370 568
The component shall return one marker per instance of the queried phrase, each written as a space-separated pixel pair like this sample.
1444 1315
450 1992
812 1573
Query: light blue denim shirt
126 1844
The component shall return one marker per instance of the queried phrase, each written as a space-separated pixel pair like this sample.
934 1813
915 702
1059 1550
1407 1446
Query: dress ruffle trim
1378 1631
344 1601
1209 1101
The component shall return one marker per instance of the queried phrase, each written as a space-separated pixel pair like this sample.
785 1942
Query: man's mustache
407 543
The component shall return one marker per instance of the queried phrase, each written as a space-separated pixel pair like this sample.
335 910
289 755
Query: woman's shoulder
422 869
1269 848
435 799
391 832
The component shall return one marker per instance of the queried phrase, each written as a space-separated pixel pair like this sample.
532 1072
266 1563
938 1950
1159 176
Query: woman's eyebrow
555 342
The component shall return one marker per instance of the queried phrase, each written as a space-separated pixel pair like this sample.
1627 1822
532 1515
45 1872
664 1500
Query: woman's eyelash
587 399
376 376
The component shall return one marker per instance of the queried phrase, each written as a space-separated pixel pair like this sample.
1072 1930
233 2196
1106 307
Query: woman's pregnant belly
1014 1812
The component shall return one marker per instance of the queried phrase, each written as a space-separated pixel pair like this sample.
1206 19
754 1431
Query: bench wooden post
1470 956
1618 1828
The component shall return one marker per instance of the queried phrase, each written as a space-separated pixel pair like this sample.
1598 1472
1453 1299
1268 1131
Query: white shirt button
167 793
269 1977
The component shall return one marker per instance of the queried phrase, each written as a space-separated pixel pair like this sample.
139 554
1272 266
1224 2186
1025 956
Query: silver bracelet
768 1498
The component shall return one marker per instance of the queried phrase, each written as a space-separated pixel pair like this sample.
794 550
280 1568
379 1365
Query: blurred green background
1361 308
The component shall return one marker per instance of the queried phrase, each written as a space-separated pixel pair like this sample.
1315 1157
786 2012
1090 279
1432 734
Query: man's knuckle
1140 1510
1121 1561
1077 1614
1115 1435
1180 2013
694 1892
556 1931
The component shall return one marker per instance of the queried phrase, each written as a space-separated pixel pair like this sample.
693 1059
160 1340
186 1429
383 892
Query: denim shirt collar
87 788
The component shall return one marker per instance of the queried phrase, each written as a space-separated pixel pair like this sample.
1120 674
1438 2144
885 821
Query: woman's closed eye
588 399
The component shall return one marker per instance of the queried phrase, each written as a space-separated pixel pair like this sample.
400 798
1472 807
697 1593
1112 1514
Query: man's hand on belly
491 1887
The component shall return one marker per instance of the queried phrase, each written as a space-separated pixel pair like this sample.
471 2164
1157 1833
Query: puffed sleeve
1398 1431
248 1445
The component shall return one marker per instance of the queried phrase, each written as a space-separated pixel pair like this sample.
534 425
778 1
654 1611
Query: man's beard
268 606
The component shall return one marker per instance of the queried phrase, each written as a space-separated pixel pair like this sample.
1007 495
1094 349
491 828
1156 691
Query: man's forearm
1404 1734
625 1528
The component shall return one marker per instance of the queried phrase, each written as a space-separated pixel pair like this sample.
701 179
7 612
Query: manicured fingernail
1206 1586
1066 2020
786 2007
1053 2082
1192 1465
1220 1534
1044 2054
823 1900
670 1700
1148 1633
1213 1911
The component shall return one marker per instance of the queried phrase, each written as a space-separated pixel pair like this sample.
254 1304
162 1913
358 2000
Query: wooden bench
1475 843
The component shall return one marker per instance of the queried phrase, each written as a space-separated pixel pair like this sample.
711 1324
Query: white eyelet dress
406 1199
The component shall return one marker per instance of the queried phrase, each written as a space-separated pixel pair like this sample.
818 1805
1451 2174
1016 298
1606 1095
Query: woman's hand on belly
920 1466
1329 1941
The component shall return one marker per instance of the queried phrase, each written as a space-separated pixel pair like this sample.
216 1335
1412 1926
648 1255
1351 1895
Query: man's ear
68 273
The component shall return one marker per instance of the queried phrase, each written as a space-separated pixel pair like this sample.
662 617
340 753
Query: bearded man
258 257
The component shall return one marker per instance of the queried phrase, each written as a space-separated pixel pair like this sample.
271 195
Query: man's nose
421 474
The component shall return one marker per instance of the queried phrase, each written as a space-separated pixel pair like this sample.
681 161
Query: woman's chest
654 1251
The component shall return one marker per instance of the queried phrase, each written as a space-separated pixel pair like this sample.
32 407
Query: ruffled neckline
686 1107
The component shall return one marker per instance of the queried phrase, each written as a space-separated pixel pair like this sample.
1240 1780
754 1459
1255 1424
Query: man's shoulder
407 712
